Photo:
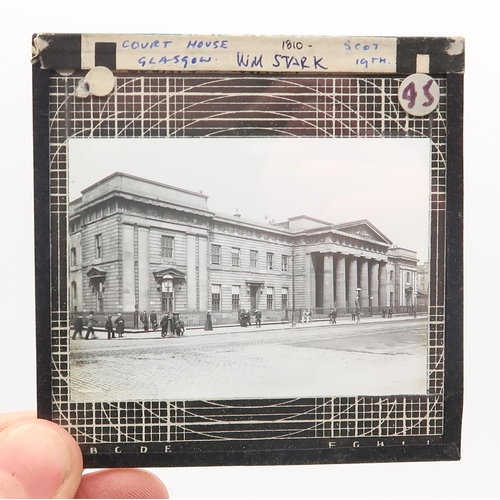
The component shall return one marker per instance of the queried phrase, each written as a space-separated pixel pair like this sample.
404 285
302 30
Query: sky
337 180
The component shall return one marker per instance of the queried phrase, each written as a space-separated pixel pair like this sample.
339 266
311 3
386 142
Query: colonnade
336 278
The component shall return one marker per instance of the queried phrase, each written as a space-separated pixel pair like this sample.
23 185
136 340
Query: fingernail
34 462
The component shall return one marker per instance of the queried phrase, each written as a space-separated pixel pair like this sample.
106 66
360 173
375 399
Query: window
235 303
74 295
167 247
269 260
73 256
253 258
215 254
284 298
391 275
235 256
407 278
216 306
284 262
98 246
270 296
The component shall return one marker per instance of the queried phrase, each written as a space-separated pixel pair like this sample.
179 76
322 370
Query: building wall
75 272
132 224
107 227
228 236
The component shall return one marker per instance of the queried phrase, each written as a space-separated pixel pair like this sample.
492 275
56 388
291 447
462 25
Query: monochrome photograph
248 268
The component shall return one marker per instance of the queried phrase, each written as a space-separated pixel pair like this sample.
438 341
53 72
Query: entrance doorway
253 297
167 296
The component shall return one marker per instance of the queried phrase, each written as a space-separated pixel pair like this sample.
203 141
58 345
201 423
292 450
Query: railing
197 318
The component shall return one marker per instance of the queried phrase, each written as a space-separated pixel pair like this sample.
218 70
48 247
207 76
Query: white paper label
247 53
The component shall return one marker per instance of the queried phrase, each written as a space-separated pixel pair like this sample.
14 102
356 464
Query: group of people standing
151 319
110 326
171 325
387 312
245 318
306 316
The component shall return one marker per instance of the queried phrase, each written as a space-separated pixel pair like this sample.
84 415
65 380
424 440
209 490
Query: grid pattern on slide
162 106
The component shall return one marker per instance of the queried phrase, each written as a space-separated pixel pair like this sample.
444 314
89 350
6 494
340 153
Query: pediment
364 229
169 271
96 272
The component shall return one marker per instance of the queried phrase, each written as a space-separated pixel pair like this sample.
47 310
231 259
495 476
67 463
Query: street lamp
371 304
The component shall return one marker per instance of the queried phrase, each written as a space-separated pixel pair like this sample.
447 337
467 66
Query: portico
336 278
342 261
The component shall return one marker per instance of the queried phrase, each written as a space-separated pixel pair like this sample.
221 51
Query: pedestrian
91 322
389 314
208 322
109 328
120 325
164 326
171 323
243 318
383 312
136 317
353 315
144 321
179 327
358 308
258 318
333 316
78 326
154 320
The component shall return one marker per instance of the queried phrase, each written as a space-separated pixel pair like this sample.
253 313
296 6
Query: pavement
374 357
199 331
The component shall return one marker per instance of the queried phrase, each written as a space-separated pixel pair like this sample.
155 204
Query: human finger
121 483
8 419
38 459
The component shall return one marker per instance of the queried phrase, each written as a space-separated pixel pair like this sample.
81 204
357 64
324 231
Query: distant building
136 242
423 277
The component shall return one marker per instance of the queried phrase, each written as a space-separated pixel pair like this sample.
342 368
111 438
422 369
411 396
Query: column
203 273
128 269
363 283
353 281
340 282
191 263
383 284
328 281
144 278
374 283
310 283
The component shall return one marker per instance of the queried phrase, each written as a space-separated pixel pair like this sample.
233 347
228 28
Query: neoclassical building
137 243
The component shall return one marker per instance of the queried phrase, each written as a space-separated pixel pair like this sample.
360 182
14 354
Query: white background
475 475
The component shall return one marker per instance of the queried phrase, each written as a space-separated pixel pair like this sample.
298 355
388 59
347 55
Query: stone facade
139 243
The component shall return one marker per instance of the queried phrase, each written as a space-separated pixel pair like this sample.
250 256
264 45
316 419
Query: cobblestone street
374 357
